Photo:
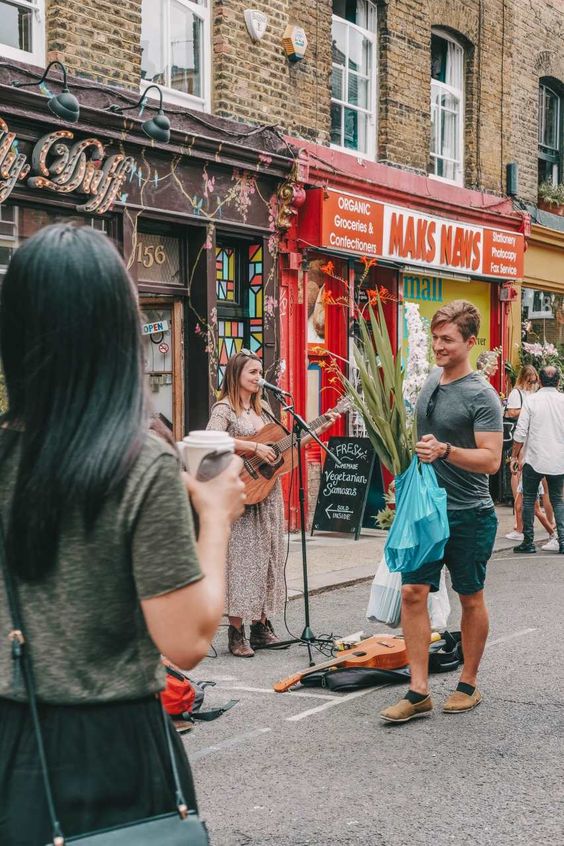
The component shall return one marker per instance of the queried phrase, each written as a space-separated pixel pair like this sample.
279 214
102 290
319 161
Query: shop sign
59 165
358 225
155 328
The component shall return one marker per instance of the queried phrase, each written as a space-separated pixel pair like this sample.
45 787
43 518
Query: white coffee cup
201 443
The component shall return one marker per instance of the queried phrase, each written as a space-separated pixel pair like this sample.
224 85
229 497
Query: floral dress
255 557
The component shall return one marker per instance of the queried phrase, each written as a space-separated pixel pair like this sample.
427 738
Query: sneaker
405 710
552 545
529 548
459 702
515 536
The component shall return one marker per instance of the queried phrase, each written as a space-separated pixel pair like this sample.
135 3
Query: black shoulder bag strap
22 664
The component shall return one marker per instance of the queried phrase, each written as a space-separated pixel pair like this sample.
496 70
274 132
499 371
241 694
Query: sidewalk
335 560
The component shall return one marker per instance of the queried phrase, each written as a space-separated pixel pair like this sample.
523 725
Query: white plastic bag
384 605
439 605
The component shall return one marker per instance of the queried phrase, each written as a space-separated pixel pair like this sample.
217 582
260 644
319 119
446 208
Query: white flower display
417 368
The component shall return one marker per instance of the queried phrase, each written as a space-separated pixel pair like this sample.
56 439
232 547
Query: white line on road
271 690
341 701
521 633
225 744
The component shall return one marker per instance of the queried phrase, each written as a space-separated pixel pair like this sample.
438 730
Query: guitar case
445 656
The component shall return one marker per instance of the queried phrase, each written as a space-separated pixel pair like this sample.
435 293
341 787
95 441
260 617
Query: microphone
269 387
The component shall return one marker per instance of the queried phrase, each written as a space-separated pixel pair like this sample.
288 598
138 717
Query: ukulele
384 652
258 475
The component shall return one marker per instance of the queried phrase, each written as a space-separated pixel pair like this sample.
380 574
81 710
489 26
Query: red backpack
182 698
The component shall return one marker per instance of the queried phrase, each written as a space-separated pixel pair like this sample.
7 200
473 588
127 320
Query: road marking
521 633
270 690
225 744
341 701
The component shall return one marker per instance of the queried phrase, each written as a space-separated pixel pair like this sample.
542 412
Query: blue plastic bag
420 530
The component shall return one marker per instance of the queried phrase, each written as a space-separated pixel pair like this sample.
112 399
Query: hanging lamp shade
158 127
65 105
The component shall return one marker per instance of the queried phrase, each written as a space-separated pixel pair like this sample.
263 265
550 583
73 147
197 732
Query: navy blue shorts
468 550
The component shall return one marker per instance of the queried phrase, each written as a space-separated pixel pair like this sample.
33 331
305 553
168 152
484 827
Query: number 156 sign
150 254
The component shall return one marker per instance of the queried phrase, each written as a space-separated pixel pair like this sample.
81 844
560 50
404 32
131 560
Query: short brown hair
465 315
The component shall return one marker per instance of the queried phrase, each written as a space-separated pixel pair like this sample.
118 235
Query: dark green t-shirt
87 634
461 408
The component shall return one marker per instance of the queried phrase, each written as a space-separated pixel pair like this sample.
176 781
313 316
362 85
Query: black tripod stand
299 427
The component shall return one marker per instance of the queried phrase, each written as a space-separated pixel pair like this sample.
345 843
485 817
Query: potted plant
551 197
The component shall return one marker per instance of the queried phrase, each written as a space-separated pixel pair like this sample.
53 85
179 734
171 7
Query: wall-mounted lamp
158 127
64 105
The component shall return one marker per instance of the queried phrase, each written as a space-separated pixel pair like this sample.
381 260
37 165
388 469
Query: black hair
549 376
70 342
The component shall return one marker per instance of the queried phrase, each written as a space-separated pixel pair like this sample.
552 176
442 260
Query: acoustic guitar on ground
258 475
385 652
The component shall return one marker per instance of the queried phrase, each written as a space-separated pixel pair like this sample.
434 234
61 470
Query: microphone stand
300 427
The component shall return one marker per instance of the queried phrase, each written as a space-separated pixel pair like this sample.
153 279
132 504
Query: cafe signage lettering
362 226
58 164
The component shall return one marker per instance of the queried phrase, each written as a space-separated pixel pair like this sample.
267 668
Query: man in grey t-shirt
459 426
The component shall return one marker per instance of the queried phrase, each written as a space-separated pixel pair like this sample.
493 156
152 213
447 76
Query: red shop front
398 236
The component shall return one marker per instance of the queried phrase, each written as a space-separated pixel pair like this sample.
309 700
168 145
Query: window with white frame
550 134
175 45
353 79
447 108
22 30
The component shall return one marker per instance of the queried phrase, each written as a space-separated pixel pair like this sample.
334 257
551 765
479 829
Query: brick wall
538 51
257 83
98 39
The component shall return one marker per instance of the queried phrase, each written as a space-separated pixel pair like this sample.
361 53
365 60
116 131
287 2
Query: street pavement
314 768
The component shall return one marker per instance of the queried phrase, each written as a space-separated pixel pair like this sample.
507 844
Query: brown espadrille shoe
262 634
238 643
405 710
459 702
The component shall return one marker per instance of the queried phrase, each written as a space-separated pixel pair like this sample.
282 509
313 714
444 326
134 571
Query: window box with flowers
551 197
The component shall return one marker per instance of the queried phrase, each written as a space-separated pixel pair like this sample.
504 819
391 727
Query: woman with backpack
96 548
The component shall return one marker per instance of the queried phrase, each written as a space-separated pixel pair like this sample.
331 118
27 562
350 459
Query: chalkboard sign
344 488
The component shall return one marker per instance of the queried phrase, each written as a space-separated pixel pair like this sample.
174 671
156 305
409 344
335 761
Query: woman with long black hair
99 543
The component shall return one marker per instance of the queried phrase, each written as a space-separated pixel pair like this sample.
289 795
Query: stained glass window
240 302
256 303
230 339
225 274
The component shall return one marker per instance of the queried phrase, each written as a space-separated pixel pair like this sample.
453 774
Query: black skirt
108 763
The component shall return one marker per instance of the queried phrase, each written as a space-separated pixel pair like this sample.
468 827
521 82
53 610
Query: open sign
155 328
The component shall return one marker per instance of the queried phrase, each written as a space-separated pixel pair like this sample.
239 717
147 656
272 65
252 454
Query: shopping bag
384 605
439 606
420 529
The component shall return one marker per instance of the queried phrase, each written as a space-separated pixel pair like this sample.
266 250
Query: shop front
540 319
360 241
195 220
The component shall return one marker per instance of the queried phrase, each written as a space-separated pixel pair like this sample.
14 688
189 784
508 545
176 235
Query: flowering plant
379 394
539 354
418 357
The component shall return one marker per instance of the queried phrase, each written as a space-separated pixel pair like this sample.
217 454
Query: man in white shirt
541 429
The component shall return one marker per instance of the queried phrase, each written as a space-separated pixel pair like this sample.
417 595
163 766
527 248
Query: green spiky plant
381 403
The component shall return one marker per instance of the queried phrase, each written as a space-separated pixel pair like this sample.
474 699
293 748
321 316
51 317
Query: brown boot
238 643
262 634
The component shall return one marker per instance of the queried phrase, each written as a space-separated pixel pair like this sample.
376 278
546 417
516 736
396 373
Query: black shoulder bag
178 828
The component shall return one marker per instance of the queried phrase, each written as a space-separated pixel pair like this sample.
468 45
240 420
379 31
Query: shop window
176 45
240 301
550 133
22 33
447 108
543 318
8 236
353 78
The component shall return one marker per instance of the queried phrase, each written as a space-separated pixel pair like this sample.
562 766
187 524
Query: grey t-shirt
87 634
461 408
